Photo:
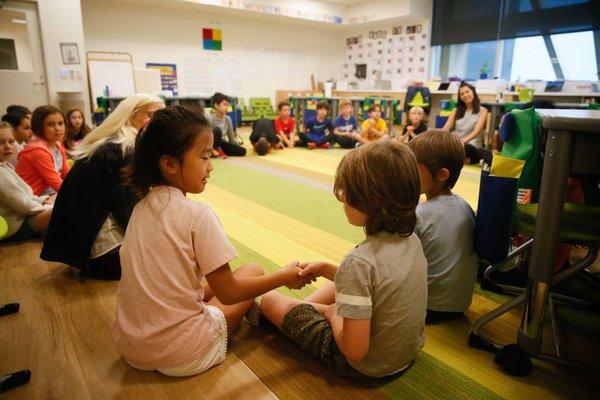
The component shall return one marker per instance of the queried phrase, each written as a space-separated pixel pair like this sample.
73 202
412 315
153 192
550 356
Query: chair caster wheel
514 360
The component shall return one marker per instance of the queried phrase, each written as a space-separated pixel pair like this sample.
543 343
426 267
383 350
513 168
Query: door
22 76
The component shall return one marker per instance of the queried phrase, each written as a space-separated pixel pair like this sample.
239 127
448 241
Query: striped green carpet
280 208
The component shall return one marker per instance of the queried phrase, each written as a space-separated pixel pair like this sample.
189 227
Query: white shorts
213 356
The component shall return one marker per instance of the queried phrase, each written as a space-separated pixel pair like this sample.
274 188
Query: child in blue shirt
345 126
318 129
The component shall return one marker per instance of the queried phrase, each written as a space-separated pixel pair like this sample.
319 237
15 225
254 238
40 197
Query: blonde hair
417 109
117 127
344 102
6 125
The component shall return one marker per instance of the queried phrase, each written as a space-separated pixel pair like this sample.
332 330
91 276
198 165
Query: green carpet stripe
286 197
430 378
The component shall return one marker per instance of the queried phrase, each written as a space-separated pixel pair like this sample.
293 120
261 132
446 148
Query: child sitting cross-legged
167 319
369 320
445 225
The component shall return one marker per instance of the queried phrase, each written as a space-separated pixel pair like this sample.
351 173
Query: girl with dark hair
76 128
167 320
467 120
43 162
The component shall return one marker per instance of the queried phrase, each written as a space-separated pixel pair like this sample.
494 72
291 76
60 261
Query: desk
572 143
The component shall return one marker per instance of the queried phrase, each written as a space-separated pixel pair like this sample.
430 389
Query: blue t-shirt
315 130
345 125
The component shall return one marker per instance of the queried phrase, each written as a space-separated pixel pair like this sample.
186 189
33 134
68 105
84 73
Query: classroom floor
275 209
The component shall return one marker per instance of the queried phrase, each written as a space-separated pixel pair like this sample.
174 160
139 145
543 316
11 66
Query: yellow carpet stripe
275 236
307 160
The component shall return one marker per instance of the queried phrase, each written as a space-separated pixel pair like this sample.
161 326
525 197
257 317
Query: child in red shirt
285 125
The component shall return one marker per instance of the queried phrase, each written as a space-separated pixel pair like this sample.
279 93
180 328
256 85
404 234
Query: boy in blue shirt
318 129
345 126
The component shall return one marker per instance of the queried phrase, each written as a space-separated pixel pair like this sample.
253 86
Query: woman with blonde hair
93 206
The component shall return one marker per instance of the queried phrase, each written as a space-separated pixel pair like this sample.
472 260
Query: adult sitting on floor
93 207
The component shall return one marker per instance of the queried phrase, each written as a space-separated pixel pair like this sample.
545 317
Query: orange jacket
35 164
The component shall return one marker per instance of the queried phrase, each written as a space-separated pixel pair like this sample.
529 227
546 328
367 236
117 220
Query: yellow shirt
380 125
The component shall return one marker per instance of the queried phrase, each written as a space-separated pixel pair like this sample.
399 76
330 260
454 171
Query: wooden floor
61 335
62 331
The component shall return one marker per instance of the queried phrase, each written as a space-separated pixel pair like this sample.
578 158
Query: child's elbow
356 355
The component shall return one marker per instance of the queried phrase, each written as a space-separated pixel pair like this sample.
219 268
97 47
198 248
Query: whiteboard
117 75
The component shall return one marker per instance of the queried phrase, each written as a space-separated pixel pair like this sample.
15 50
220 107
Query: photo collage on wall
398 54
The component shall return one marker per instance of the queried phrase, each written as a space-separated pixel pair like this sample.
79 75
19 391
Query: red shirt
287 127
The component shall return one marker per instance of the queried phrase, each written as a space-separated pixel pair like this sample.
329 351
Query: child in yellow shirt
374 128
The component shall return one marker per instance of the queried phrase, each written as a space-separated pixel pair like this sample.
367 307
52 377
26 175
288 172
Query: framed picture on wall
70 53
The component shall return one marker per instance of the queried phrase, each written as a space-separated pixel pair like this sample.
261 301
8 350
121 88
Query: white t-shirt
445 225
170 244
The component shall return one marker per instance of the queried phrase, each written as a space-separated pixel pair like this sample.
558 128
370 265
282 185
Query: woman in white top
467 120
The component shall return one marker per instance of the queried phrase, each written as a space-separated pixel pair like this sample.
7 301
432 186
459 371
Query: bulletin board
111 69
399 54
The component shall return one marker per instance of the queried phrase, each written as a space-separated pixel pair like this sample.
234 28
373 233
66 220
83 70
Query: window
576 55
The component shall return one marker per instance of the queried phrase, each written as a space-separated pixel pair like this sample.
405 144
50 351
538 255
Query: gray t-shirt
226 126
445 225
464 126
385 279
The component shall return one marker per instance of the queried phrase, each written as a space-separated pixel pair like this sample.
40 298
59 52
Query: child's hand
313 268
410 129
295 280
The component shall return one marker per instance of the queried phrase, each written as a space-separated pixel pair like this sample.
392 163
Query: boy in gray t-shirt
445 226
370 321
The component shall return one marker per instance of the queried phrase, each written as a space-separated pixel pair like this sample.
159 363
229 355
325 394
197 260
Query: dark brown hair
38 117
461 107
381 179
323 104
15 115
171 131
373 107
73 134
218 98
283 104
437 149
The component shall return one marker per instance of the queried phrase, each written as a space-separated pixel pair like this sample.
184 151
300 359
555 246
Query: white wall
60 22
262 55
378 10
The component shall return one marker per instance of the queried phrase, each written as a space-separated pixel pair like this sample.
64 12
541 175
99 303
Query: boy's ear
168 165
443 174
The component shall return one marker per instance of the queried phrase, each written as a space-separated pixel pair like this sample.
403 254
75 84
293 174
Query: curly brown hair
381 179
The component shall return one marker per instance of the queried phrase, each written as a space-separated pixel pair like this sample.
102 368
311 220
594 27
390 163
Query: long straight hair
461 107
117 127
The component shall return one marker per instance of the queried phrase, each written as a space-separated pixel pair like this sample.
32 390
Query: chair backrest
3 227
524 144
418 96
499 193
526 94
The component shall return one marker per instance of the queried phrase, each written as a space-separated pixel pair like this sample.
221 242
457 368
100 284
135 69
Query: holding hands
297 280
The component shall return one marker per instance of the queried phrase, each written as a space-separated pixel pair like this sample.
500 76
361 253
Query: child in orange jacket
43 162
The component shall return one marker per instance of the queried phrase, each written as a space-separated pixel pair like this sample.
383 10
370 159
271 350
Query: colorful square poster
212 39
